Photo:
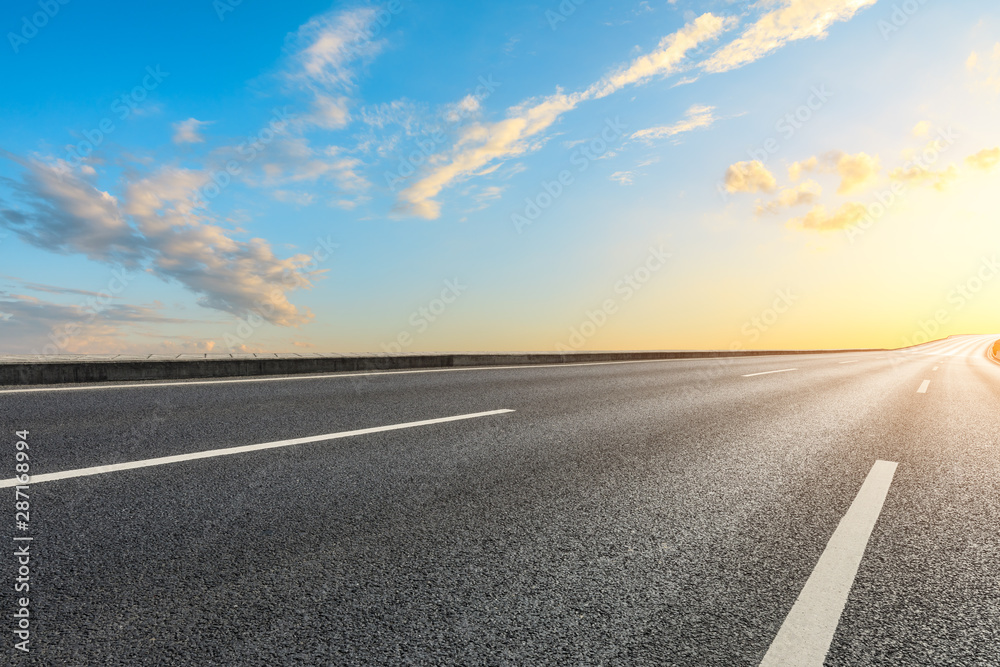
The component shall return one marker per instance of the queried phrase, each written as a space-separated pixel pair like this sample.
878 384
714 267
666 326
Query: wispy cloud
326 51
805 193
482 144
55 289
819 220
698 116
31 325
985 68
922 175
792 20
188 131
295 161
623 177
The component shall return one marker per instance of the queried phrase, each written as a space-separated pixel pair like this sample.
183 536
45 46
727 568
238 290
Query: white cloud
329 44
65 214
188 131
230 275
665 59
294 197
330 112
398 112
698 116
168 236
480 144
465 107
489 194
623 177
293 160
326 51
792 20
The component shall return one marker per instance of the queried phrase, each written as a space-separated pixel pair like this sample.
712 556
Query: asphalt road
651 513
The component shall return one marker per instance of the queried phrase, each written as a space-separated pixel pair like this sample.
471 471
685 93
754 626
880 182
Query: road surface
687 512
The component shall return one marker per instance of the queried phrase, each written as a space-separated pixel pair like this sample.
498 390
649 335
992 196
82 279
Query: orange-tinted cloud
857 171
804 193
749 177
792 21
818 219
985 159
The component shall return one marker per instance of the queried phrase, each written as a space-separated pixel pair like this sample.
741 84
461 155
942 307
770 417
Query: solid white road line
769 372
923 387
852 361
805 636
99 470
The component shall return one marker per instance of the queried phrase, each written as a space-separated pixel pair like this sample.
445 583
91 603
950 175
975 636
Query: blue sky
215 177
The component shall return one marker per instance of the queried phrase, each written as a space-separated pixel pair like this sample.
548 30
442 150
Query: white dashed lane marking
805 636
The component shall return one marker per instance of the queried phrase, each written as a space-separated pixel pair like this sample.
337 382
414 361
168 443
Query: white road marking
769 372
852 361
935 368
923 387
164 460
348 374
805 636
961 346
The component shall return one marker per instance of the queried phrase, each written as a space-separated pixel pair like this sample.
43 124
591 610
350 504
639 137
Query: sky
217 176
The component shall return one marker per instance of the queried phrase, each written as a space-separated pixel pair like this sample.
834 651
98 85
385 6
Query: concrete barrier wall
43 371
